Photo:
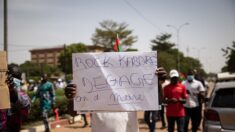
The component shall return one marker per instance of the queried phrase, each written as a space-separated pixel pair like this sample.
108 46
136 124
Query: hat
174 73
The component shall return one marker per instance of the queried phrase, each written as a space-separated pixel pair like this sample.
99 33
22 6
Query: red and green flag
117 46
182 77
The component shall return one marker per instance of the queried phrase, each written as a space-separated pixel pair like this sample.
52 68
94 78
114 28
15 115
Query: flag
181 76
117 46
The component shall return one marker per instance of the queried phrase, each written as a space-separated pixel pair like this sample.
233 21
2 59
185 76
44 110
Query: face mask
190 77
17 82
174 80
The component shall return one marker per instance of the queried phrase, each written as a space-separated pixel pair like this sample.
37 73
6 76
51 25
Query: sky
36 24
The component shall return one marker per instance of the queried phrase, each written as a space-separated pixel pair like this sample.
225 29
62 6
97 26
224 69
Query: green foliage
167 55
106 34
168 63
61 104
131 49
230 56
65 58
34 70
162 43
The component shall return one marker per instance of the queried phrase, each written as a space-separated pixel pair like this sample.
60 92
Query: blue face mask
190 77
17 83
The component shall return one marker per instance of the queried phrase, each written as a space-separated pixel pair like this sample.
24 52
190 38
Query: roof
225 76
229 84
48 49
61 47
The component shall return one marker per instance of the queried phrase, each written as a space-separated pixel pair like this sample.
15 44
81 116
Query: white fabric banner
115 81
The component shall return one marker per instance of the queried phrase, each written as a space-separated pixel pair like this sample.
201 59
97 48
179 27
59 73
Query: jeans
192 113
45 120
162 115
150 117
171 123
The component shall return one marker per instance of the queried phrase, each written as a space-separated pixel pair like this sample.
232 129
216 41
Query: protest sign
115 81
4 92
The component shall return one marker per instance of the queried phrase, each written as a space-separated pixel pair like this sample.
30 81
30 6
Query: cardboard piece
115 81
4 91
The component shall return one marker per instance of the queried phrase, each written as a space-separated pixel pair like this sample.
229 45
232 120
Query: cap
174 73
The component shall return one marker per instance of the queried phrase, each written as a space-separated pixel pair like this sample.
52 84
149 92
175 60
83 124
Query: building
46 55
50 56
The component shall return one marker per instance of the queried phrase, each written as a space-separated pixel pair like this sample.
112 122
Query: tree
167 55
162 43
106 34
65 58
131 49
34 70
230 56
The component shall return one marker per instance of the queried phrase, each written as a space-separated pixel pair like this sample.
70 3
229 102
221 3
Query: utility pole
65 63
5 27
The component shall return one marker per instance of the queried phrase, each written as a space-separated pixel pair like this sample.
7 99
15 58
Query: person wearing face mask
194 90
175 96
11 119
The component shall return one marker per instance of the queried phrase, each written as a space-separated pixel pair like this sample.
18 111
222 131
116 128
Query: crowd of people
181 99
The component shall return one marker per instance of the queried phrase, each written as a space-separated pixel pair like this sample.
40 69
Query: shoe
163 127
84 125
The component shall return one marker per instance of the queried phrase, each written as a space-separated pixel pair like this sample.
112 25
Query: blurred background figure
163 82
46 94
60 84
150 117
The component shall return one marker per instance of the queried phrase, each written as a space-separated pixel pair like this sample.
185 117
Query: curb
53 125
59 123
34 129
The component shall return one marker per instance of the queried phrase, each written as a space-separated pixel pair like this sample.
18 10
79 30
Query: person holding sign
11 119
111 121
151 117
175 96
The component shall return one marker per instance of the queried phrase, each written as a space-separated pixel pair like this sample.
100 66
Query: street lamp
5 27
178 39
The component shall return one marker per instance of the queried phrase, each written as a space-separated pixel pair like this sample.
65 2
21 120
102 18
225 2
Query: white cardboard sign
115 81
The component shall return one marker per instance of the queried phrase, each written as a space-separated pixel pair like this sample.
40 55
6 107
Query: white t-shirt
194 88
114 122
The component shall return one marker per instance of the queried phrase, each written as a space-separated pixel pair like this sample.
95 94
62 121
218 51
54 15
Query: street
77 127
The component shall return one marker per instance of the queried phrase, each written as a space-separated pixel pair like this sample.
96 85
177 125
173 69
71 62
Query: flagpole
117 41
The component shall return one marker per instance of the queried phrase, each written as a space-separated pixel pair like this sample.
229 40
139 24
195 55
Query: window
41 55
50 55
224 98
34 56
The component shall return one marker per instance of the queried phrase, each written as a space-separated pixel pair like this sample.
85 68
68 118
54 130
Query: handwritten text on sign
117 81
